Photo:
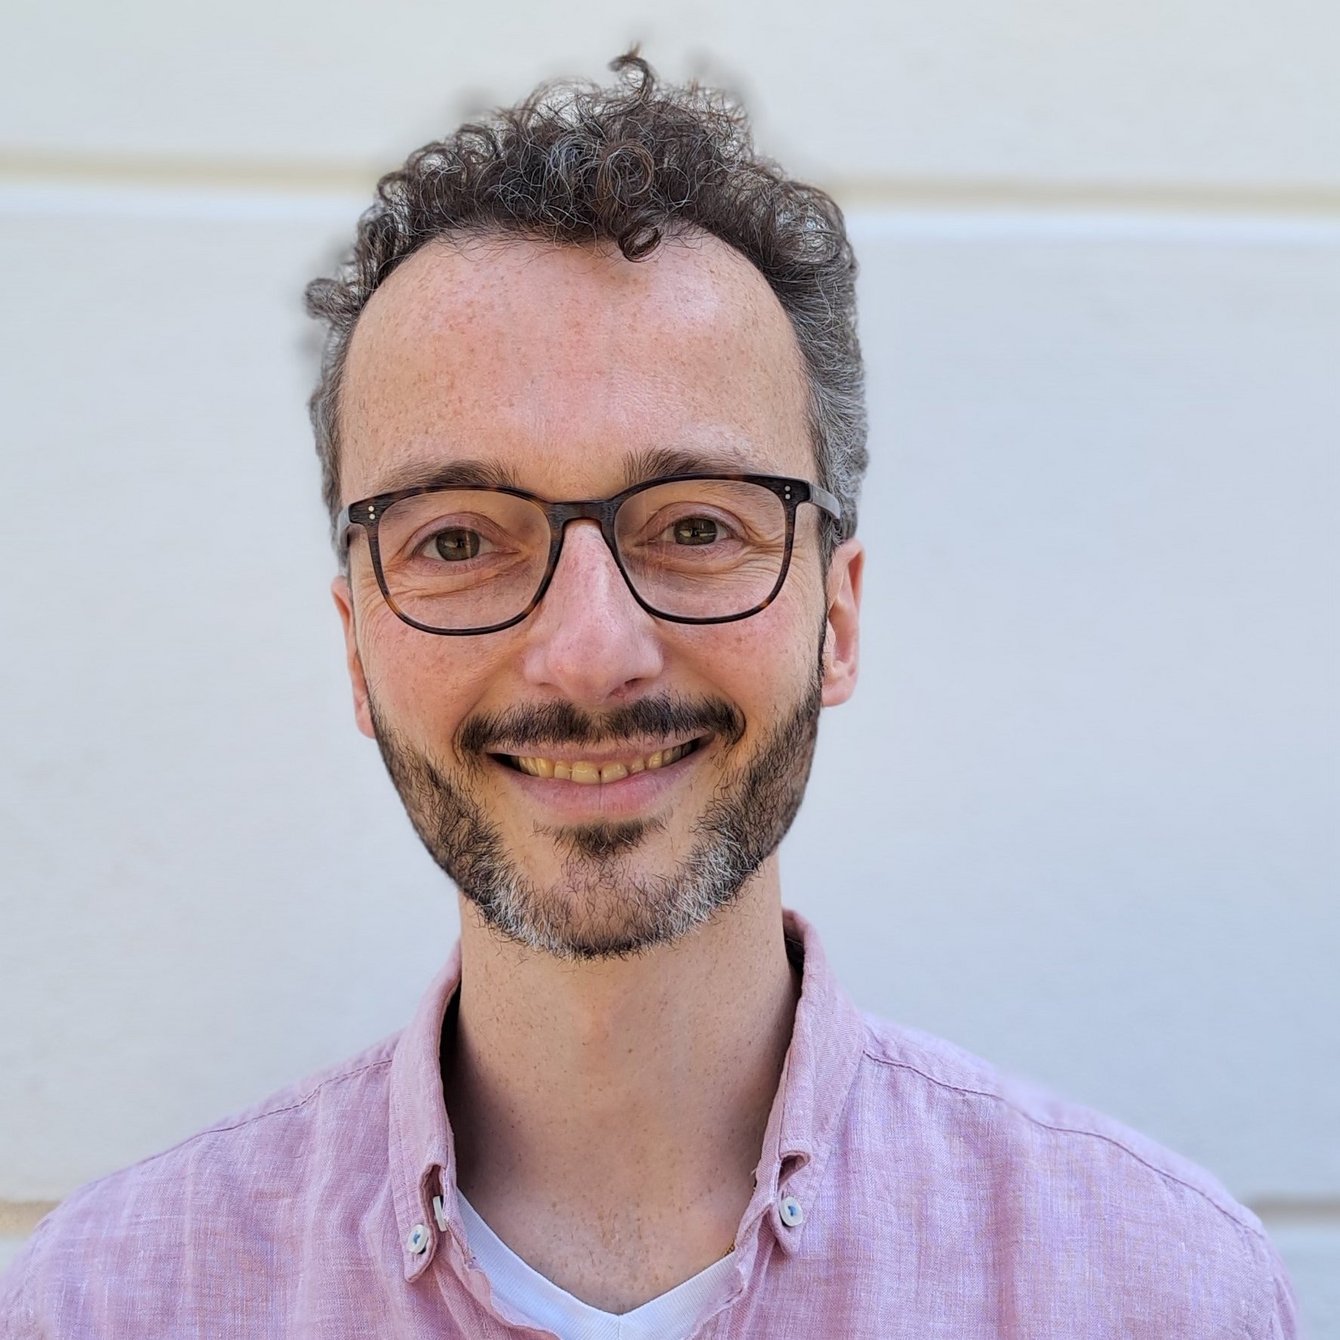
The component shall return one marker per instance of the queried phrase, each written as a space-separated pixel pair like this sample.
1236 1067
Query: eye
456 544
696 530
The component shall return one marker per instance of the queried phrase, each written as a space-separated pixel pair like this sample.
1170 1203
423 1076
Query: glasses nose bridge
599 510
602 511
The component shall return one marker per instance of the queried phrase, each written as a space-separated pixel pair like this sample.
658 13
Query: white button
418 1240
792 1215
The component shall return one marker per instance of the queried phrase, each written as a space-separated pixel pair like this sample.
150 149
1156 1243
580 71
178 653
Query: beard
602 907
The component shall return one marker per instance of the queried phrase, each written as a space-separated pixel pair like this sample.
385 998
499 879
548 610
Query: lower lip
629 797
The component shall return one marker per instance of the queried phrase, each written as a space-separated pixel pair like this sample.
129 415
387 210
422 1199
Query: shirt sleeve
1282 1307
16 1311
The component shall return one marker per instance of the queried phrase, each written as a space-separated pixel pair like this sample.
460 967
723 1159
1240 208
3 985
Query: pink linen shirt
905 1189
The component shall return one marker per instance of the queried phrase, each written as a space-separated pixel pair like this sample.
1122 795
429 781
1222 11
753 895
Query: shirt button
418 1240
792 1215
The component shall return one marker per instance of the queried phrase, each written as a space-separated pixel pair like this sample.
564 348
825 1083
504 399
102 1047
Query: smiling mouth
592 772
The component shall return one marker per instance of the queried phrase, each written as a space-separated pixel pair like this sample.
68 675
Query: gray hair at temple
632 163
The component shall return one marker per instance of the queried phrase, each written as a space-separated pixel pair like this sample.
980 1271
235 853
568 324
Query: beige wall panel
210 889
9 1248
1077 818
1080 817
1180 95
1312 1253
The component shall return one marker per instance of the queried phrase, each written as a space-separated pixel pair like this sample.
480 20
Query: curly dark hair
631 164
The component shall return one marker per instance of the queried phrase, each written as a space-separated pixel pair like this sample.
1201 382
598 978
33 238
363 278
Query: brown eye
457 544
695 530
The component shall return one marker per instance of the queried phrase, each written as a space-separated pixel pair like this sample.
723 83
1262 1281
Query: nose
589 640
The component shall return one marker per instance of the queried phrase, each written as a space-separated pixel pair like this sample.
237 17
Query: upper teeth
566 770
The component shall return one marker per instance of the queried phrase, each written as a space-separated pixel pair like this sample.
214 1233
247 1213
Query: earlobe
344 602
842 629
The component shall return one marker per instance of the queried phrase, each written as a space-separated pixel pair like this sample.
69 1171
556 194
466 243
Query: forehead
567 369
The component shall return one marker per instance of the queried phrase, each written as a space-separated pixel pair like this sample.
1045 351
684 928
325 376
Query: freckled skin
633 1093
496 351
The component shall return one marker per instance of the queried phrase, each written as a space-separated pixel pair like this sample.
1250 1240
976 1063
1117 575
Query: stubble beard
602 907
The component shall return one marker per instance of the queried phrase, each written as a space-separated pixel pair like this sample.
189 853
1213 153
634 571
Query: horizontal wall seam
1281 1211
20 1217
967 194
297 177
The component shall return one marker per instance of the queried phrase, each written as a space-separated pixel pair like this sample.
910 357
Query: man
592 434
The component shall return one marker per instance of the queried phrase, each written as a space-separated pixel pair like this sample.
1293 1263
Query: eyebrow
453 474
657 461
651 463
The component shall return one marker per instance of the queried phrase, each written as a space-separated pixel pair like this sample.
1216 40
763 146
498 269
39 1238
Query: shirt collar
827 1038
422 1155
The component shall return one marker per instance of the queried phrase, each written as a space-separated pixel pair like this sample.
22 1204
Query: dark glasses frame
367 513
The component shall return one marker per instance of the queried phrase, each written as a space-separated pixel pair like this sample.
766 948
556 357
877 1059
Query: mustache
564 724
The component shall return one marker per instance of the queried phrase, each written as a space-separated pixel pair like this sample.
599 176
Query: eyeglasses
692 548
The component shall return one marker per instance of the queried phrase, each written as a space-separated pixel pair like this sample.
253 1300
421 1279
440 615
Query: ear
344 602
842 630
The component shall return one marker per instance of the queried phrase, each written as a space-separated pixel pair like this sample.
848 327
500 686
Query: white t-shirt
668 1317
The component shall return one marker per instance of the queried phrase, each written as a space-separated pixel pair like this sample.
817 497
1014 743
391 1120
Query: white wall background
1081 817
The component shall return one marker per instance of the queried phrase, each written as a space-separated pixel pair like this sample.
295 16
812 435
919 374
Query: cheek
766 660
421 684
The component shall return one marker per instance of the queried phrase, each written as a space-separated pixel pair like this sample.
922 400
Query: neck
616 1087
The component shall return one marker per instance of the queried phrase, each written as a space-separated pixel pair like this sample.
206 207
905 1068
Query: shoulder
272 1140
1008 1168
963 1092
241 1182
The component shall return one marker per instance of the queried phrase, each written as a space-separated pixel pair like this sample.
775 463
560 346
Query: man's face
572 373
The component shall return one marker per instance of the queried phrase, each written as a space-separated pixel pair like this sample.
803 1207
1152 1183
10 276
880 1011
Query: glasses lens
463 558
703 548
